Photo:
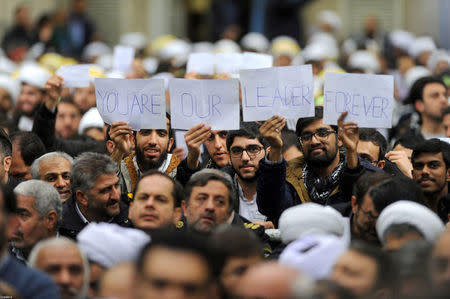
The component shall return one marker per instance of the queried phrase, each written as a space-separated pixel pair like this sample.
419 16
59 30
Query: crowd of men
276 209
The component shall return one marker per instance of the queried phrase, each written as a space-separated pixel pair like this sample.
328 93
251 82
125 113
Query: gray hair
202 177
87 167
60 242
46 197
34 169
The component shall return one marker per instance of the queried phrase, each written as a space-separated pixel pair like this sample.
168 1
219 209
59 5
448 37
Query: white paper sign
256 61
213 102
286 91
139 102
369 99
75 75
230 63
123 58
201 63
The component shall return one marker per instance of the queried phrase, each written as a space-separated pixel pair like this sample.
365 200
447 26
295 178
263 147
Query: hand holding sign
194 138
367 98
286 91
271 131
139 102
53 90
348 132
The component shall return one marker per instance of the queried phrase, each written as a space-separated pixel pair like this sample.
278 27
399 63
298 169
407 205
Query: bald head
267 280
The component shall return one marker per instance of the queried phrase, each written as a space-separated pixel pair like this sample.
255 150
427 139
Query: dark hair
416 91
30 146
365 182
400 230
433 146
183 242
289 139
304 122
372 135
446 111
9 199
248 130
5 145
409 141
443 208
385 268
202 177
177 190
395 189
237 242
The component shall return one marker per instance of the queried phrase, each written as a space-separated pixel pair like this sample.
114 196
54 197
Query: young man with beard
431 169
247 147
323 175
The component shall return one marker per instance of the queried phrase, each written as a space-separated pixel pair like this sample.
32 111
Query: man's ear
267 150
82 198
418 104
110 146
7 163
448 175
51 219
184 206
354 204
381 164
170 145
176 215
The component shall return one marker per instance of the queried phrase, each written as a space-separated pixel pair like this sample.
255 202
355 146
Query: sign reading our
367 98
286 91
213 102
139 102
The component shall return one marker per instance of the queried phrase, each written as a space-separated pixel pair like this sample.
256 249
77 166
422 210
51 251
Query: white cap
109 244
314 255
415 214
414 74
439 55
105 61
95 49
255 41
176 49
91 119
11 85
33 74
7 66
328 42
349 46
420 45
310 218
314 52
203 47
226 46
331 18
150 64
401 39
137 40
365 61
284 45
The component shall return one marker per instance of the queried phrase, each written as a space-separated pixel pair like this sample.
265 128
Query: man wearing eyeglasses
247 147
324 174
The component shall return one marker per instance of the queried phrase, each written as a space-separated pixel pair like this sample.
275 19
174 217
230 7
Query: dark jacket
29 283
281 187
72 223
44 127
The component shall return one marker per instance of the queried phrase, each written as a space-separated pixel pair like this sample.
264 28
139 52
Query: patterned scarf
320 188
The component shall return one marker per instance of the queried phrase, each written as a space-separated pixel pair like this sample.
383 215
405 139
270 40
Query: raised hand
53 90
348 132
271 131
194 138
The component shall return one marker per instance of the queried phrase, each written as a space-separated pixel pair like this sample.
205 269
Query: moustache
426 177
112 202
72 292
317 147
208 215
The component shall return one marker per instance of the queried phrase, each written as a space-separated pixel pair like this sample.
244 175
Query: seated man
40 210
63 260
323 175
96 195
156 201
54 168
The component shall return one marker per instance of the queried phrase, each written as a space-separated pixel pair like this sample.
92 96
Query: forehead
28 88
105 180
312 127
368 147
428 157
64 106
59 255
244 141
357 260
25 201
167 128
213 188
155 184
434 87
54 164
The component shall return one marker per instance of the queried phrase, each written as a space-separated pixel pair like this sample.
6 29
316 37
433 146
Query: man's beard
433 192
249 179
144 164
323 160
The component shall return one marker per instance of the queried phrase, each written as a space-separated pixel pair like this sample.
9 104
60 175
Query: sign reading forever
367 98
286 91
139 102
213 102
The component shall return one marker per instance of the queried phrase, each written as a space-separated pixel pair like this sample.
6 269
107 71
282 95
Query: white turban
420 45
415 214
255 41
33 74
109 244
91 119
308 219
401 39
365 61
314 255
137 40
414 74
436 57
